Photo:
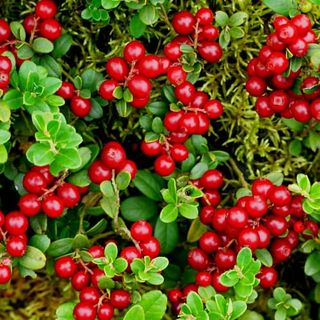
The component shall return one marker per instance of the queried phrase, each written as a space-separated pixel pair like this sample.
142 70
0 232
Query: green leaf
4 136
155 279
293 124
60 247
239 308
18 31
13 98
138 208
52 66
160 263
198 170
312 265
40 154
109 206
136 26
65 311
149 184
111 252
157 125
229 278
134 313
62 45
25 52
283 7
120 265
237 19
280 314
169 213
51 85
194 302
196 230
189 211
91 79
110 4
40 241
158 108
80 241
295 147
148 15
264 256
275 177
33 259
314 140
236 33
168 93
315 191
123 179
42 45
224 38
154 304
303 182
67 158
221 18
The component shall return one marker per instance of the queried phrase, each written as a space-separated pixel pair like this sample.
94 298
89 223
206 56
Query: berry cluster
197 31
132 74
94 302
47 194
113 158
275 69
5 69
42 22
271 218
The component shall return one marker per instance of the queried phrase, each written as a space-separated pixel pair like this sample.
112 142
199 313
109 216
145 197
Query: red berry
268 277
151 148
287 33
296 206
29 23
298 226
292 238
139 102
134 51
5 64
16 223
130 167
199 100
279 21
90 295
46 9
301 110
219 219
237 218
276 224
261 187
225 259
281 211
176 75
45 171
150 247
117 68
198 259
264 236
107 88
210 51
209 242
96 251
315 109
53 206
80 280
65 267
206 215
96 275
4 30
264 54
280 250
214 109
256 86
211 198
164 165
183 22
50 29
69 194
5 271
313 227
281 82
208 33
256 206
141 230
66 91
179 152
120 299
302 23
34 182
172 119
279 195
299 48
4 80
277 62
105 311
278 100
16 246
249 237
84 311
149 66
310 37
139 86
212 179
29 204
185 92
113 155
203 279
175 295
204 16
98 172
263 107
130 253
80 107
310 87
172 51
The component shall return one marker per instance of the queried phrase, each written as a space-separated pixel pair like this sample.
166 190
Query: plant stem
239 173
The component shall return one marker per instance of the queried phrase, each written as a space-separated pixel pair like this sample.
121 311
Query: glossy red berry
263 107
219 219
150 247
198 259
176 75
214 109
210 51
80 107
268 277
130 167
117 68
315 109
84 311
98 172
261 187
237 218
300 110
212 179
130 253
113 155
66 90
107 88
225 259
5 64
96 275
4 30
277 62
179 152
183 22
29 23
151 148
29 204
69 194
139 86
65 267
256 206
256 86
280 250
16 246
206 215
89 294
164 165
46 9
105 311
149 66
264 236
120 299
299 48
16 223
189 123
34 182
287 33
175 295
50 29
249 237
209 242
53 206
134 51
279 195
80 280
203 279
185 92
141 230
172 51
278 100
204 16
276 224
96 251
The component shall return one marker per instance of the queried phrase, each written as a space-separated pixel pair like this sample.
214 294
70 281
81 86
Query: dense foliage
159 159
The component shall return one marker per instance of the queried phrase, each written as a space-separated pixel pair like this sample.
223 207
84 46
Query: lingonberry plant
142 175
